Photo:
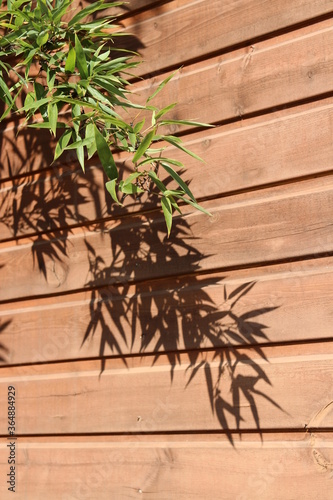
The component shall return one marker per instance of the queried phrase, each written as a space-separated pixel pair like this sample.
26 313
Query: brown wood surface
200 28
284 222
272 388
285 303
283 467
284 148
260 79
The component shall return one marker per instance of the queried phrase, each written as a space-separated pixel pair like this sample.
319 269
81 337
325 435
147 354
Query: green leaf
105 156
165 110
132 177
175 141
32 106
90 134
50 78
195 205
167 210
157 181
42 38
129 188
70 61
111 187
4 92
178 179
62 143
52 111
161 85
80 142
184 122
46 125
138 126
143 146
81 59
96 6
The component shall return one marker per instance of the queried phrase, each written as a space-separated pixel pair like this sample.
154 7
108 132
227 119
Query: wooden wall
199 366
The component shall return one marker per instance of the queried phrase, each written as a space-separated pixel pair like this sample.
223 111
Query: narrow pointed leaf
178 179
105 156
111 187
81 61
62 143
143 146
167 210
161 86
70 61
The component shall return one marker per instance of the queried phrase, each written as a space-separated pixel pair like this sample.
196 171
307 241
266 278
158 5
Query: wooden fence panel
286 148
198 366
283 467
249 229
276 304
230 391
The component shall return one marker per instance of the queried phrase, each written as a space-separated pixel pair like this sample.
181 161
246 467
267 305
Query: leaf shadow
160 304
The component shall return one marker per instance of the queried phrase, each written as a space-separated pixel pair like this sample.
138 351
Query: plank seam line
323 358
184 432
253 265
236 46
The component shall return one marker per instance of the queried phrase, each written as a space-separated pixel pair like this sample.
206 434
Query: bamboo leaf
167 210
52 111
184 122
143 146
62 143
175 141
70 61
105 156
111 187
178 179
96 6
161 86
81 59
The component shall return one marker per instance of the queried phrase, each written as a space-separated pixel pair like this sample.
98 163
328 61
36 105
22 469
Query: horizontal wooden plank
53 200
295 145
234 87
164 467
166 39
285 303
237 389
262 77
253 228
126 8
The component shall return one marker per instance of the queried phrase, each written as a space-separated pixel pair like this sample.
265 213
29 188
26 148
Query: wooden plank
52 200
166 39
167 467
295 145
253 228
235 389
259 79
237 87
248 83
285 303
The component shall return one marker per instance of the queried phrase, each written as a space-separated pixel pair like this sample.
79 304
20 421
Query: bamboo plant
69 76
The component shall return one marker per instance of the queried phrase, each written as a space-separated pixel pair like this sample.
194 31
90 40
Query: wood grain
198 29
259 79
285 148
285 303
225 390
237 87
285 466
256 227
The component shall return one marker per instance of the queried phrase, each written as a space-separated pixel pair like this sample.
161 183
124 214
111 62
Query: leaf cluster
73 79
